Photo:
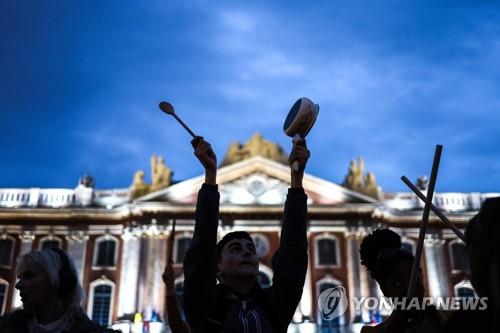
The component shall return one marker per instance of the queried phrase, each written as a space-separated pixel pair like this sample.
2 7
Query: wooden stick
171 240
169 109
436 210
184 125
425 220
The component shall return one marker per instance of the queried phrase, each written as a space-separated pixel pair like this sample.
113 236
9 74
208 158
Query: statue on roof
367 184
354 178
255 146
422 183
371 187
86 181
161 177
139 186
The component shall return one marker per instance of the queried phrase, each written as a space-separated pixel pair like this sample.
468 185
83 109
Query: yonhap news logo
332 303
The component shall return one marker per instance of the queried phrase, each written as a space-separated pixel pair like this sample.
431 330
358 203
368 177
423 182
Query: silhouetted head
236 256
483 243
388 263
46 278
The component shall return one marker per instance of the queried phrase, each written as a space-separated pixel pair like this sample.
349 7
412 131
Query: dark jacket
17 321
210 308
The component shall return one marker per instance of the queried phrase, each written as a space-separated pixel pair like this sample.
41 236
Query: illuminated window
101 301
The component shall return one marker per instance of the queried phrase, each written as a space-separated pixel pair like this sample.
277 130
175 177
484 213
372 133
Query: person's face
397 282
33 285
238 259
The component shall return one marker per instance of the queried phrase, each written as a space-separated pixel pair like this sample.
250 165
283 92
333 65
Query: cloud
237 20
391 84
126 145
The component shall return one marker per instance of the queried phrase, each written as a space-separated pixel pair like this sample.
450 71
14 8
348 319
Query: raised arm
174 317
200 261
204 153
301 154
291 262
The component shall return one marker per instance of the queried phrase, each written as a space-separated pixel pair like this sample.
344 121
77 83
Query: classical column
353 272
436 267
129 277
77 244
149 291
159 291
152 262
364 276
142 292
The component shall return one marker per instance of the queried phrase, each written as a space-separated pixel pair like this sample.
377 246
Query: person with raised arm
174 315
237 303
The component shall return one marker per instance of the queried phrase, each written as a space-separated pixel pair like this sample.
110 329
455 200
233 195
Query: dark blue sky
80 82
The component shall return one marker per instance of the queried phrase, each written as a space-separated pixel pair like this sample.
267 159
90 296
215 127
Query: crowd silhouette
221 292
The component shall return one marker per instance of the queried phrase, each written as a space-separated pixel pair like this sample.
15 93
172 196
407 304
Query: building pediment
258 181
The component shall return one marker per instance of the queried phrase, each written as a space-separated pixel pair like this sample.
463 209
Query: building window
179 292
105 251
408 246
50 242
3 295
327 283
465 292
6 251
181 247
459 257
327 251
263 280
265 276
101 302
464 289
261 245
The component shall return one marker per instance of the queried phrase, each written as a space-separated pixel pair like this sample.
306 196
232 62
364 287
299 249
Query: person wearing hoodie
237 303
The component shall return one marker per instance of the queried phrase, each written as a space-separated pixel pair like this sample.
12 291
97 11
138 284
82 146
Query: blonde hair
51 263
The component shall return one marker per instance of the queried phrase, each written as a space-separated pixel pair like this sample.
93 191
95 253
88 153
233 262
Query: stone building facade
118 238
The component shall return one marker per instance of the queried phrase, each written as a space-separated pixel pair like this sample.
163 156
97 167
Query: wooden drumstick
171 240
425 220
436 210
169 109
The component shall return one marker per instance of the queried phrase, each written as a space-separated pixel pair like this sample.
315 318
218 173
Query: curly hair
380 251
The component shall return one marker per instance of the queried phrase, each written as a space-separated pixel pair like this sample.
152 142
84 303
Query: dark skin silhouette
238 301
175 321
391 267
204 153
240 277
